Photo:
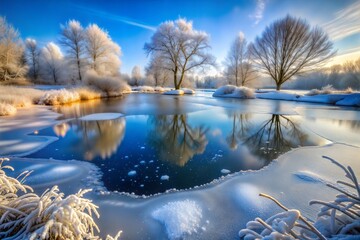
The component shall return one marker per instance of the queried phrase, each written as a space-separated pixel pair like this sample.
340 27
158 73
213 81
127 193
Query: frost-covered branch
337 219
49 216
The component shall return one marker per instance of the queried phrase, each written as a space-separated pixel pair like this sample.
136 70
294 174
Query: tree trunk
181 80
79 71
175 78
278 87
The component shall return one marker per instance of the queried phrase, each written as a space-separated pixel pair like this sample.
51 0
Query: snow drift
180 218
231 91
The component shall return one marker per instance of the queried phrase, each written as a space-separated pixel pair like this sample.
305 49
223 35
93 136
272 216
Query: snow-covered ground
325 97
349 99
215 211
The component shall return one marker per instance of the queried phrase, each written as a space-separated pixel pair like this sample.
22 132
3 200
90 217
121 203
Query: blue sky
131 23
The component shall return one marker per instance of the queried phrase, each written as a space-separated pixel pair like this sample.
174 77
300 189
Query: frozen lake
161 142
179 143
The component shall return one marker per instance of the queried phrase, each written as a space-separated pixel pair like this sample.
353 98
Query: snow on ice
132 173
179 217
225 171
164 177
101 116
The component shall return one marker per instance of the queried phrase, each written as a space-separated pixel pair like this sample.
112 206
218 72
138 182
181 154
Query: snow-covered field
215 211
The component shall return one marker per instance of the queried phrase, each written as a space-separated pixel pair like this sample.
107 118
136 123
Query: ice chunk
225 171
174 92
101 116
188 91
164 177
179 217
132 173
142 162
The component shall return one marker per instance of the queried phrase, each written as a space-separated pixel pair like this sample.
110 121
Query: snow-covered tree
136 76
156 72
239 68
289 47
52 63
73 39
181 47
12 64
211 82
102 52
32 57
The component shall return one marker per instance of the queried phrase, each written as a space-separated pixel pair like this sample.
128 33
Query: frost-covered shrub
231 91
7 109
338 219
285 225
279 226
88 93
112 86
341 217
159 89
49 216
144 89
19 97
57 97
328 89
17 101
9 185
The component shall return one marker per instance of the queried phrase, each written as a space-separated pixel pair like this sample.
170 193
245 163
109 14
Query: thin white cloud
259 11
117 18
345 23
347 55
348 51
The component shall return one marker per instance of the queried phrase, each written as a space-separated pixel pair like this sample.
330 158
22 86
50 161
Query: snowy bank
180 91
174 92
15 97
325 96
231 91
341 99
143 89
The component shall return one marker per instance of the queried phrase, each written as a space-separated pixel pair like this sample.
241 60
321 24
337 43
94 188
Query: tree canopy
290 46
181 47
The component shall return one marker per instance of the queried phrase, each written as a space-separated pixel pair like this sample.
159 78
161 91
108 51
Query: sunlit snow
179 217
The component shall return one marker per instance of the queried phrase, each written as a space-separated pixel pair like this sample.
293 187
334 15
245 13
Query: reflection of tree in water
175 140
240 127
350 124
277 135
78 109
61 129
100 138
